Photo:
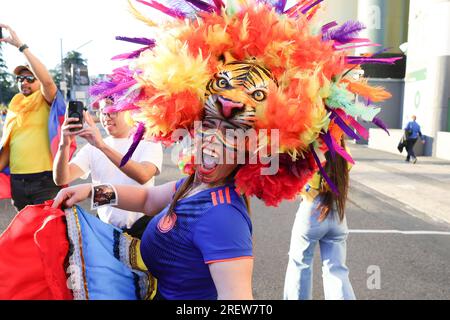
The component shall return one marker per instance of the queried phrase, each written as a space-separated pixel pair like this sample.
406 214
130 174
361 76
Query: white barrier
379 140
443 145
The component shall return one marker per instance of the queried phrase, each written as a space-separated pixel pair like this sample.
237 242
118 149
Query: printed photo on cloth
103 195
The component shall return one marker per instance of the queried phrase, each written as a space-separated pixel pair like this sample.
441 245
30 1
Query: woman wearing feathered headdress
246 67
253 68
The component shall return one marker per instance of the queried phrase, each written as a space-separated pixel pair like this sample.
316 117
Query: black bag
402 144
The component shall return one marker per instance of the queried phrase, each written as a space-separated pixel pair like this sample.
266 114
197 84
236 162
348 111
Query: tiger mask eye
222 83
259 95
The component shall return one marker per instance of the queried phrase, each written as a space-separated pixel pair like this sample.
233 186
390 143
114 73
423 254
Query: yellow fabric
26 132
136 262
316 183
140 265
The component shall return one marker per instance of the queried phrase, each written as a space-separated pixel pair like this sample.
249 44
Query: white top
91 160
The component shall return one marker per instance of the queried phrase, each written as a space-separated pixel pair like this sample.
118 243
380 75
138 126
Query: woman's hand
70 196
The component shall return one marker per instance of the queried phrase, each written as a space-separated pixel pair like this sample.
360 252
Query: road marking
441 233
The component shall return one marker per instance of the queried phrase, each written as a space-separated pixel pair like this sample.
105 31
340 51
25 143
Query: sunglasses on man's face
30 79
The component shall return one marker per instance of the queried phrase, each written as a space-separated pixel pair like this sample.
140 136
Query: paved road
411 266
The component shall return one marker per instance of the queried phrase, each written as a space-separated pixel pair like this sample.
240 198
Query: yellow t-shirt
29 142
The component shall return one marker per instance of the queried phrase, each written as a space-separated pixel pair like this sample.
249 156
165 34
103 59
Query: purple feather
370 60
137 137
379 123
328 141
143 41
344 33
280 6
100 87
130 55
219 5
322 171
306 9
341 123
342 152
359 128
201 5
328 26
120 80
119 87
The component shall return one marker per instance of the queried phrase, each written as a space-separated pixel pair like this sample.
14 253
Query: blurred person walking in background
412 132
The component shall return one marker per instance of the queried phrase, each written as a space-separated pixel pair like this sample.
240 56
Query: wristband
103 195
23 47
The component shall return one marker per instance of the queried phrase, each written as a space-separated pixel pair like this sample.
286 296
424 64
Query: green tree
57 75
7 85
72 58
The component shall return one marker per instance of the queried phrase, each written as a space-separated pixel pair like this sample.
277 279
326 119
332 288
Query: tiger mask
234 94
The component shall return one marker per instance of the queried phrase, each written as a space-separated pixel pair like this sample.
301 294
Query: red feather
286 184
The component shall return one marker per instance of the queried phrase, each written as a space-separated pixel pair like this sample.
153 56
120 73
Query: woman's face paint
218 160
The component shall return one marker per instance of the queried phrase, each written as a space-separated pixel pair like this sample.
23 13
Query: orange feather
375 94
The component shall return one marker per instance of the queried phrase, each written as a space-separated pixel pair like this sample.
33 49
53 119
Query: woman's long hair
337 170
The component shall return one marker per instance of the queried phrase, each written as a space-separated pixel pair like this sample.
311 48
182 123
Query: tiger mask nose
227 106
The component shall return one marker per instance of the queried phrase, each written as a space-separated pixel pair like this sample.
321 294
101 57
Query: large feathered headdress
164 82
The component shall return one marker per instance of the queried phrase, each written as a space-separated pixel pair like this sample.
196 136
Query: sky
90 27
89 24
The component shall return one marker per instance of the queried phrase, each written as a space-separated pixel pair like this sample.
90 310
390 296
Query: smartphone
75 110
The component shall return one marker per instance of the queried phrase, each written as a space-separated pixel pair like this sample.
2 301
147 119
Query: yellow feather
129 118
216 35
172 69
139 15
244 29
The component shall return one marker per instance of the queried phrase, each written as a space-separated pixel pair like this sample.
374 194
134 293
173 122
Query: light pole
63 83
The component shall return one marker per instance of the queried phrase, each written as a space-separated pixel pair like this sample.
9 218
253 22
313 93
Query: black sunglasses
30 79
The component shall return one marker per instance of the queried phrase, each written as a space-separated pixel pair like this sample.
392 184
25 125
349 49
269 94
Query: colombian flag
55 121
33 251
5 188
49 254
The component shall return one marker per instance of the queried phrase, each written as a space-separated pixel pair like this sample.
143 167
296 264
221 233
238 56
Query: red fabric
32 253
5 186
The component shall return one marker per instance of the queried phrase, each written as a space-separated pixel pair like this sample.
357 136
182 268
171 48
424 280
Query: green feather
341 98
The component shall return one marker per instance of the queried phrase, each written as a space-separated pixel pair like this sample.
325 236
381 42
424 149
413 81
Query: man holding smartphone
30 129
101 158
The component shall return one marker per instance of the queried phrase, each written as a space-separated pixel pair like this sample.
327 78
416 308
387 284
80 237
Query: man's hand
67 135
48 86
91 133
13 39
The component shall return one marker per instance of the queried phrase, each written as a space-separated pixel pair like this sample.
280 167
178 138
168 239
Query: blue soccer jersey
210 226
